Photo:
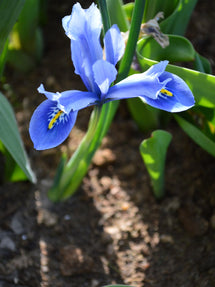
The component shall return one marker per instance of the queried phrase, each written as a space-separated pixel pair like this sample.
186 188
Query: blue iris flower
54 118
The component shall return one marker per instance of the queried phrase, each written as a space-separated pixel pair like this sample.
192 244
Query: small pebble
67 217
166 239
24 237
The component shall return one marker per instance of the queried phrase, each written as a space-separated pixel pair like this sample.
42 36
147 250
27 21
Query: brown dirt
112 230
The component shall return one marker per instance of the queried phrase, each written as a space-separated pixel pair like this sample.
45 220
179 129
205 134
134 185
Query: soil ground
112 230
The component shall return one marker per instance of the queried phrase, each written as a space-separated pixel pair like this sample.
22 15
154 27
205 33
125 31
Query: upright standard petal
114 45
49 126
84 28
104 74
75 24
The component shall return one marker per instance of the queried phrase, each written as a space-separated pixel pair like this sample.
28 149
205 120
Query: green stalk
132 40
69 177
105 15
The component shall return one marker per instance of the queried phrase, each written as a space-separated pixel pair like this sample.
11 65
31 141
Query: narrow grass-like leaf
3 58
10 137
9 12
153 151
202 64
196 135
117 14
26 41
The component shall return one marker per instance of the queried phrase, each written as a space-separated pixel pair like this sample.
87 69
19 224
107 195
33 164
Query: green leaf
152 7
153 151
28 23
12 172
201 84
196 135
146 117
3 58
204 119
9 135
117 14
176 12
179 49
178 21
9 12
202 64
128 8
26 41
20 60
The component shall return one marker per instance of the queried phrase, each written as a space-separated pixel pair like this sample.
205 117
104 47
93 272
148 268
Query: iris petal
76 24
114 45
77 100
160 89
135 86
104 74
169 104
84 28
51 96
157 69
46 134
181 91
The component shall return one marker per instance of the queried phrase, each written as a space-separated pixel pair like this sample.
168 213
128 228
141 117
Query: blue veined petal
114 45
104 74
166 103
179 88
76 100
71 100
51 96
157 69
49 126
75 24
157 88
135 86
84 28
83 64
176 96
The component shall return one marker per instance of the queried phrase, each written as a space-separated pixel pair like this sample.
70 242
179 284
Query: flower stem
132 40
105 15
